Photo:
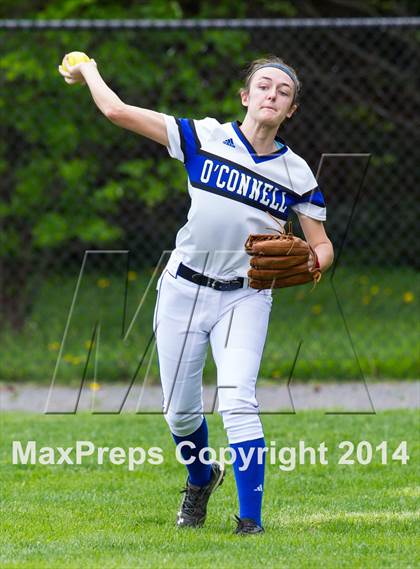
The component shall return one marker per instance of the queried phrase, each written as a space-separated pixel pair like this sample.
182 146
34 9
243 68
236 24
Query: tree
55 192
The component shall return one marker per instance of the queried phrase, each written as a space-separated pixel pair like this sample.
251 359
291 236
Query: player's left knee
242 426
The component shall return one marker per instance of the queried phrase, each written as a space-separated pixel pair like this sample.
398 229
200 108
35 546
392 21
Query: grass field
380 307
333 516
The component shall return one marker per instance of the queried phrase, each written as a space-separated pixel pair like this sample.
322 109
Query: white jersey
231 190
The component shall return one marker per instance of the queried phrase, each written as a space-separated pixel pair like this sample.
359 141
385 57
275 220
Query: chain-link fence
71 181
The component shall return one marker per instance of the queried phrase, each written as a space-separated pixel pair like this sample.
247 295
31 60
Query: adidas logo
259 488
229 142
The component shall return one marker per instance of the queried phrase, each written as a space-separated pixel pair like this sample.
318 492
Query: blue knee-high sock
199 473
250 482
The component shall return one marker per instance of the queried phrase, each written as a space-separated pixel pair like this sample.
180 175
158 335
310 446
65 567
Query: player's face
270 96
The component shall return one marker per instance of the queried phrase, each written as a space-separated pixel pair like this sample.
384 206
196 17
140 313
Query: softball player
236 174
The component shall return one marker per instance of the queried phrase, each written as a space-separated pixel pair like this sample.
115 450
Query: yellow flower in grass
408 297
316 309
366 299
54 346
132 275
374 290
103 283
94 386
89 344
70 359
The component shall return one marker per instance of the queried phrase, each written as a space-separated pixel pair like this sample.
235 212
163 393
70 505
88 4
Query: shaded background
71 181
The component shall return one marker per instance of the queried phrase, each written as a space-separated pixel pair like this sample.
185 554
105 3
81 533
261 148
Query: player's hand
313 262
73 73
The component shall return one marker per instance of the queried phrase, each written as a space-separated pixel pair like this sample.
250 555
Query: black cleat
246 526
194 505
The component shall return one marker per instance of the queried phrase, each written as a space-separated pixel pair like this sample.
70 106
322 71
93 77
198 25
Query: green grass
106 516
380 307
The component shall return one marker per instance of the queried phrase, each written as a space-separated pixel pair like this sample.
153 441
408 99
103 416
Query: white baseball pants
187 317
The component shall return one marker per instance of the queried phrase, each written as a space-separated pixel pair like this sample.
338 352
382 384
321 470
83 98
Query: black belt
202 280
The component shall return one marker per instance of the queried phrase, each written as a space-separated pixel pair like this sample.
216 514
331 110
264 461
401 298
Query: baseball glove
281 260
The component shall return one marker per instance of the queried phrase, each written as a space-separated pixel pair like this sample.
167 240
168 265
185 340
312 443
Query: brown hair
266 61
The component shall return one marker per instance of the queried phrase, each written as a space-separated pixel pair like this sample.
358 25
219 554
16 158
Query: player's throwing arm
78 68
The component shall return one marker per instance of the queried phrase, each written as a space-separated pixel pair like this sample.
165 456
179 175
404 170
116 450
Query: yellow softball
74 58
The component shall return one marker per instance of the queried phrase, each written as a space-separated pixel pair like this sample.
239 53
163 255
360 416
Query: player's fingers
70 81
63 72
311 262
